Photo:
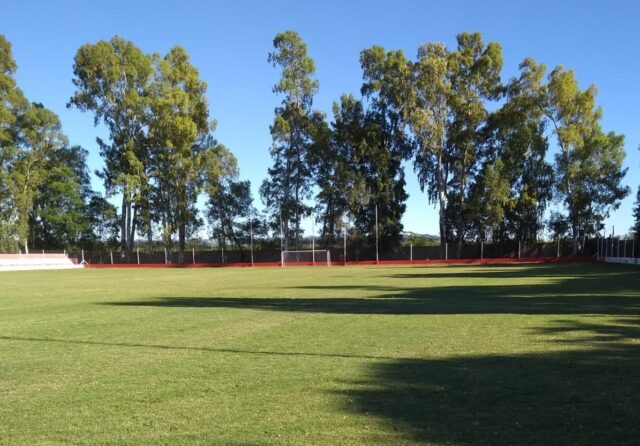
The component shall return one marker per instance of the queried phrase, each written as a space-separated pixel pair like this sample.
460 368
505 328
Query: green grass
536 354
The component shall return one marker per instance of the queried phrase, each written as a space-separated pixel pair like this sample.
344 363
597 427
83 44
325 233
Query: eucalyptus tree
39 139
490 198
635 229
13 104
386 86
289 181
428 119
230 213
588 167
60 218
474 70
334 160
446 112
516 137
179 137
111 80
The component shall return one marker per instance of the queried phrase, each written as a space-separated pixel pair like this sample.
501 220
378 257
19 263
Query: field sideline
505 354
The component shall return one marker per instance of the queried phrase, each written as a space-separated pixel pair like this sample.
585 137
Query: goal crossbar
306 257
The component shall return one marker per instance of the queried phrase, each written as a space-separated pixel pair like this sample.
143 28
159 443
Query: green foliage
516 137
178 138
161 155
445 113
61 218
296 83
293 132
491 197
334 160
233 217
588 167
386 85
635 229
111 80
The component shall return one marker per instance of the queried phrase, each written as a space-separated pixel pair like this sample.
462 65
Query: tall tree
111 79
289 182
179 136
446 113
635 229
490 198
386 86
12 104
429 119
475 78
230 211
516 136
61 217
335 167
588 167
40 139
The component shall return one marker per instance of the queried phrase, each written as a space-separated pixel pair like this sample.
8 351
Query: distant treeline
479 147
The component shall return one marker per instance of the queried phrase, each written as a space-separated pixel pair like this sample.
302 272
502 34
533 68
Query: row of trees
480 148
45 189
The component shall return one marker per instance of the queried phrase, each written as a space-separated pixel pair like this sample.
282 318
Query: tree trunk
443 235
123 225
442 200
575 238
181 240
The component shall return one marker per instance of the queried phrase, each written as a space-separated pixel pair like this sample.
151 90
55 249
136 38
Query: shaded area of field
588 396
607 293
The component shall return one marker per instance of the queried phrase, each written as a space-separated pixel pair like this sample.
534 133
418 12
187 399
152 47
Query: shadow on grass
611 291
586 396
189 348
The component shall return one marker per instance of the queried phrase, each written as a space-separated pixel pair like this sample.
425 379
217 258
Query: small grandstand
25 262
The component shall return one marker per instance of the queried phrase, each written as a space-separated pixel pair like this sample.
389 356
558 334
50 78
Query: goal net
306 258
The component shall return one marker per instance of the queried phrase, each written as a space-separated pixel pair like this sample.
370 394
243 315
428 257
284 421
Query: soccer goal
306 258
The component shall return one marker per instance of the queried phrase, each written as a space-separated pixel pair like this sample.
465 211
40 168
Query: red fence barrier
498 261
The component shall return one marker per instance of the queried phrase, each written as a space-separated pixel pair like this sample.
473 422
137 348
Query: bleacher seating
19 262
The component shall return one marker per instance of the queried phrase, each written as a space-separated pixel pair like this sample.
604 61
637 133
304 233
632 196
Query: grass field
526 354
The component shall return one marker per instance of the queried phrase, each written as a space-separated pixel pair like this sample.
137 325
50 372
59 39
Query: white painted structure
623 260
26 262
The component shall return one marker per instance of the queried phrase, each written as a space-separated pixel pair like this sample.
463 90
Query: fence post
138 255
411 252
481 249
251 238
82 252
222 253
377 256
446 250
519 249
558 250
43 253
193 255
344 248
165 255
111 256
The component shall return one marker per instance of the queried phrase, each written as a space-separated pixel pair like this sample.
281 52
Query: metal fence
359 251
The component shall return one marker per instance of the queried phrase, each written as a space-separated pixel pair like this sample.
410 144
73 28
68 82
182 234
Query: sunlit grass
390 355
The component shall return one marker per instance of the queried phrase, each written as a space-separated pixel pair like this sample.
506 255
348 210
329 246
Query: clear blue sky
229 42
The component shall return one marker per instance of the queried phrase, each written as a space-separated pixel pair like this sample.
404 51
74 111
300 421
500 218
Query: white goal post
307 257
